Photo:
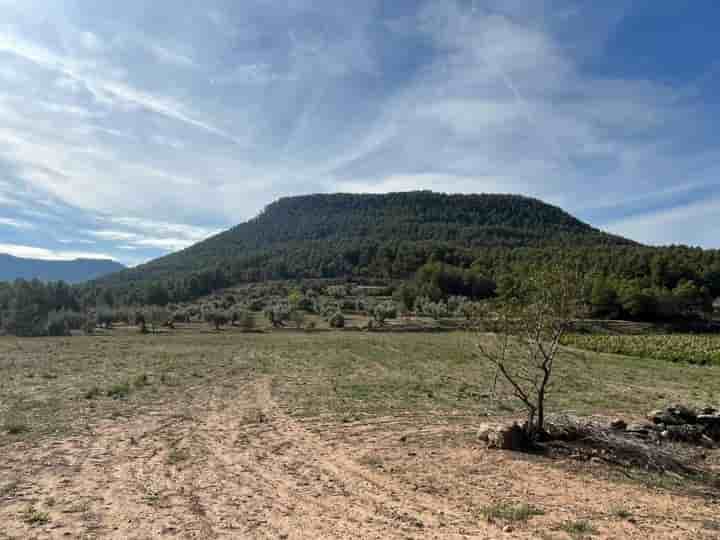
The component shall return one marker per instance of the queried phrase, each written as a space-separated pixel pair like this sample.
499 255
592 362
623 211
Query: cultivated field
203 434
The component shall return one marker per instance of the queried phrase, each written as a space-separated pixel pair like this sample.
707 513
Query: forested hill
76 271
387 235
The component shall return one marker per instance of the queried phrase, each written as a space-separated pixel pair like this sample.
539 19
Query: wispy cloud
146 130
15 223
107 91
33 252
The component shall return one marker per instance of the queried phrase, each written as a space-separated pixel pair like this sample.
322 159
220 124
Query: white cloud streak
33 252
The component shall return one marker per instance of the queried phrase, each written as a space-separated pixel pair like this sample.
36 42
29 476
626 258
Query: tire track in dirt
238 469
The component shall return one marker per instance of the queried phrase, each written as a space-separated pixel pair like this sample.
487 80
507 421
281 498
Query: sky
132 129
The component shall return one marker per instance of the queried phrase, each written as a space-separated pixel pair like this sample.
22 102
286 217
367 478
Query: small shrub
105 317
33 516
578 528
298 318
216 318
118 391
622 513
383 311
57 324
337 320
511 512
244 320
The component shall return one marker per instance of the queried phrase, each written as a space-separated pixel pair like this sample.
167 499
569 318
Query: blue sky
131 129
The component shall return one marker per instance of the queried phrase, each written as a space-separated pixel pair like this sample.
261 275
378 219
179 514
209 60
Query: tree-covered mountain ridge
334 235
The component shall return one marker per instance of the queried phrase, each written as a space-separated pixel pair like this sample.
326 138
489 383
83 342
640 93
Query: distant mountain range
76 271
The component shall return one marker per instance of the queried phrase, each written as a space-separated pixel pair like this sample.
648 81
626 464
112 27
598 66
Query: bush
298 318
141 321
105 317
216 318
278 314
61 322
383 311
244 320
180 316
337 320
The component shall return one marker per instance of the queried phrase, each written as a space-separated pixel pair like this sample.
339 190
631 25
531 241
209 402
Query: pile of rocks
681 424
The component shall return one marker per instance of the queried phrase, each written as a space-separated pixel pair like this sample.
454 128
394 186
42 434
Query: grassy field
287 434
54 386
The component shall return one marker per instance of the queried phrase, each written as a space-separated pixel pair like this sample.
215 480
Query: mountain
76 271
389 235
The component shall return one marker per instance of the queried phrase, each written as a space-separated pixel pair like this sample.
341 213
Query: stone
708 419
502 436
707 442
687 433
666 417
618 425
484 431
508 529
643 430
686 414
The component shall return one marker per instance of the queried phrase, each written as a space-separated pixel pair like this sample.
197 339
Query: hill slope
76 271
346 234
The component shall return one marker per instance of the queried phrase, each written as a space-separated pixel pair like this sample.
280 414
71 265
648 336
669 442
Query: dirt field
292 435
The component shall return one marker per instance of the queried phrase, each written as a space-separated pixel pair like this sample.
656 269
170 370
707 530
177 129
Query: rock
686 433
618 425
709 410
484 431
508 529
686 414
643 430
502 436
707 442
708 419
712 431
667 417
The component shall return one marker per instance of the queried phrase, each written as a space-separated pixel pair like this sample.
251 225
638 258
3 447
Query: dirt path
244 469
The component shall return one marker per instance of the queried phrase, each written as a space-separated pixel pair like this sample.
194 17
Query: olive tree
523 331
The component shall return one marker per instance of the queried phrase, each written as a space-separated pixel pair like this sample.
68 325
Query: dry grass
226 434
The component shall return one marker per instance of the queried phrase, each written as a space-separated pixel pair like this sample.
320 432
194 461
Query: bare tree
524 329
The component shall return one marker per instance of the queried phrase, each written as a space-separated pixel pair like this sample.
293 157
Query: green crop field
699 349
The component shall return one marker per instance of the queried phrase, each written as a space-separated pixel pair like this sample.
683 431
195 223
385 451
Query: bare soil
242 467
202 434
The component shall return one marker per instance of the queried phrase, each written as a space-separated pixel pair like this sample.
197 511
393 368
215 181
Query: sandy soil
244 468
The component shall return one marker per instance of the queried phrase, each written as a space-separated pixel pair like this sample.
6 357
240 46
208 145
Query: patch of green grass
514 512
15 427
34 517
119 390
151 497
621 512
578 529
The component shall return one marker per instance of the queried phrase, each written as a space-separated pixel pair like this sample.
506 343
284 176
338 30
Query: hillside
346 234
75 271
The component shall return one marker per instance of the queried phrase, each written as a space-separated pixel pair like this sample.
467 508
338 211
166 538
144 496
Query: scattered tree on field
528 328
